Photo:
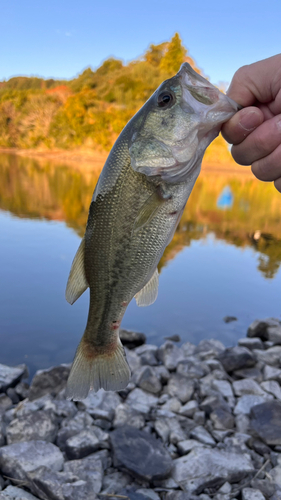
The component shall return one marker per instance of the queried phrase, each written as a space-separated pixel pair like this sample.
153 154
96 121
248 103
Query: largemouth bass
136 206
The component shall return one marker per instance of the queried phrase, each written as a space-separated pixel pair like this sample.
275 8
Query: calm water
224 260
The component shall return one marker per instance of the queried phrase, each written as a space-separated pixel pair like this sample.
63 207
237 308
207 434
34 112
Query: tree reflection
45 189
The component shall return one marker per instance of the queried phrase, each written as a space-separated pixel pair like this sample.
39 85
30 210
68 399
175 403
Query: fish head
172 130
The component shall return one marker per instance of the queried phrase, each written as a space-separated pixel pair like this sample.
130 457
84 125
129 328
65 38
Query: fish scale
136 206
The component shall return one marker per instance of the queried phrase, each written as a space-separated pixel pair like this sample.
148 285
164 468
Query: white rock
272 387
247 386
189 408
224 387
141 401
203 466
187 445
202 435
271 373
14 493
252 494
245 403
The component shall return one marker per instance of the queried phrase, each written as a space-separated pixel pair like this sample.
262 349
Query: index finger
257 82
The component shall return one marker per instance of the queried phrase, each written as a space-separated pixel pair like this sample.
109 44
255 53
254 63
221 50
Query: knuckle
261 171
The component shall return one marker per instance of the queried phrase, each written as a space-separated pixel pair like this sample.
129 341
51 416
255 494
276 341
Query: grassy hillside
91 110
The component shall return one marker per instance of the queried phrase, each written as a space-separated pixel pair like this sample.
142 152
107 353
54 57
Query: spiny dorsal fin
148 294
77 283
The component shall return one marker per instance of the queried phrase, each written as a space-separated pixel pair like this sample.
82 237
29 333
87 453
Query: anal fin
77 283
148 294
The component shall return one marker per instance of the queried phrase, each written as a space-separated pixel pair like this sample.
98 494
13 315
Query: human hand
255 131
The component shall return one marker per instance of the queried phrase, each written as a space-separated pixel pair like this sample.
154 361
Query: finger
268 168
242 124
277 184
260 143
259 81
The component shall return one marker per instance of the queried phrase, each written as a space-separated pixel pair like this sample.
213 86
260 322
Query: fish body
136 206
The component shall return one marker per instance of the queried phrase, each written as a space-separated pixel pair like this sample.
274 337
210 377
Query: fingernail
278 124
250 120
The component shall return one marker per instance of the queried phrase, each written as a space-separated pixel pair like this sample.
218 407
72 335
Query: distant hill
91 110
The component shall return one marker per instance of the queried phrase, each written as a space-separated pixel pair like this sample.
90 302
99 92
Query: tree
174 56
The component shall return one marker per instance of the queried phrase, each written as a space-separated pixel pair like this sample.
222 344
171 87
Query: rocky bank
195 422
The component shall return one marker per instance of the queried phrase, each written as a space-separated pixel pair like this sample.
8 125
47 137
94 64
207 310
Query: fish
136 206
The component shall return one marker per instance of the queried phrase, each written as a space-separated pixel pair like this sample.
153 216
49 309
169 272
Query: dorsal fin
148 294
77 283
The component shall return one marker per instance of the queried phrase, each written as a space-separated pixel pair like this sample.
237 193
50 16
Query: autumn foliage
90 110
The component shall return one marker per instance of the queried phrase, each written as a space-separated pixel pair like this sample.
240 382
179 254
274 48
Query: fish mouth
204 97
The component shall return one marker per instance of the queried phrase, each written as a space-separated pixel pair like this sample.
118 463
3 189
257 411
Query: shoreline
195 422
87 158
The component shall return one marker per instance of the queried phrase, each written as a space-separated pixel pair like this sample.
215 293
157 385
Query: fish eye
165 99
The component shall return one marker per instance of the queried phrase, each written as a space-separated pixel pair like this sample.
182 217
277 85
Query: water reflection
234 207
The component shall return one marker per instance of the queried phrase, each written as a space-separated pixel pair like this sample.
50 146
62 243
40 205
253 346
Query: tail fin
93 370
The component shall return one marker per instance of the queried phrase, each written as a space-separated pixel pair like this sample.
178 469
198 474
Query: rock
170 355
246 403
229 319
82 444
124 414
19 458
271 373
267 488
272 387
189 408
89 469
187 445
254 373
259 327
222 419
210 403
206 468
242 422
114 482
247 386
35 426
199 417
209 346
251 494
133 360
22 390
71 427
148 494
50 381
141 401
173 338
271 356
192 369
173 404
202 435
14 493
25 407
265 420
176 432
251 343
13 395
260 447
188 349
275 475
147 380
131 339
180 387
5 402
10 376
274 334
103 400
235 358
51 485
61 408
140 453
162 428
224 387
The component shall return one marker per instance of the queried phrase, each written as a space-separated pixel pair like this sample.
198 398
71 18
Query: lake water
224 260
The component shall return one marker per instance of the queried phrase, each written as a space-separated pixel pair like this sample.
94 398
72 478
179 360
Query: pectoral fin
148 294
148 211
77 283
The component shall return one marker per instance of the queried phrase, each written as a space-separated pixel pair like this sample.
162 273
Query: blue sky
60 38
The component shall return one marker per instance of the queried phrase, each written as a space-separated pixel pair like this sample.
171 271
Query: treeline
90 110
